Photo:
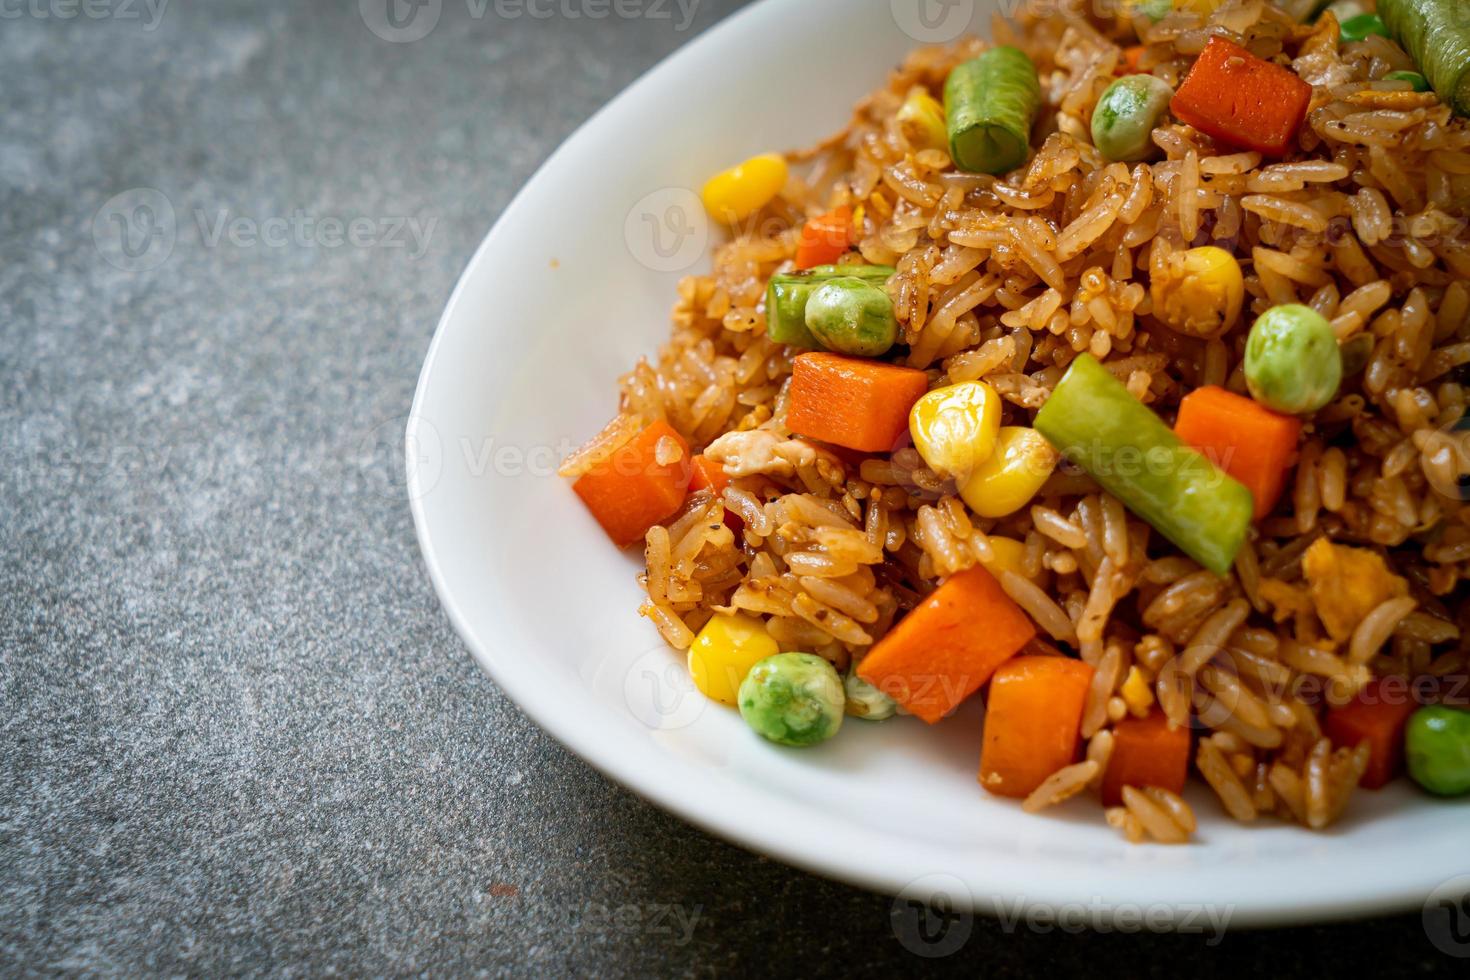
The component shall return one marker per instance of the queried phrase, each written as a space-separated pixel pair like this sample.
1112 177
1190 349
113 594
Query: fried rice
1007 280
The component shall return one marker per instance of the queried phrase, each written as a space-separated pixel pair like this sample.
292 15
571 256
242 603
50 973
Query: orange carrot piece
1131 58
1146 752
852 402
824 238
1032 720
706 474
951 643
1245 439
1378 716
1234 97
631 491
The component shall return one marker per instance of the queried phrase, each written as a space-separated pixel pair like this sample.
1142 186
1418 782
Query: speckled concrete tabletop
236 732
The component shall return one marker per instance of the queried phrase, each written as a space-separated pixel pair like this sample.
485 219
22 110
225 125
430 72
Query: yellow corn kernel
880 204
1199 292
1007 481
954 428
1007 555
736 194
921 120
1202 7
1137 693
723 653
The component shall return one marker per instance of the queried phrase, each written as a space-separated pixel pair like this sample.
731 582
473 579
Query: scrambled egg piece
1287 600
1347 584
761 451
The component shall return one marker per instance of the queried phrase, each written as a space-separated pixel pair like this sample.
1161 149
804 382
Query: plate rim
1323 905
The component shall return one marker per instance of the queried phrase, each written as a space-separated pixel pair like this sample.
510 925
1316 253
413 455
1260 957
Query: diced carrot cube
1033 717
824 238
630 491
1378 715
948 646
1232 96
1146 752
710 475
853 402
1244 438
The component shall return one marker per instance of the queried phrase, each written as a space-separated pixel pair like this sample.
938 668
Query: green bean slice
1436 33
1093 420
990 103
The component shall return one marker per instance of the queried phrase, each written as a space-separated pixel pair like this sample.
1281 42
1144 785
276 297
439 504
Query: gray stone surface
236 733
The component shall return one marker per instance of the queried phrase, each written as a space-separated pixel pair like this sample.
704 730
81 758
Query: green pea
793 698
1359 27
1154 10
850 315
1418 81
787 295
866 701
1437 744
1125 117
1292 363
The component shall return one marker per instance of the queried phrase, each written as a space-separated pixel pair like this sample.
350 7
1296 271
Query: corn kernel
1007 481
954 428
1006 555
1200 292
735 194
723 653
1137 693
1202 7
921 120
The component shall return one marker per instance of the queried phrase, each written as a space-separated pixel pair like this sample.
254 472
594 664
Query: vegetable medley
1206 469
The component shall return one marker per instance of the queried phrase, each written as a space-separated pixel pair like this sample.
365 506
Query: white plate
565 293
